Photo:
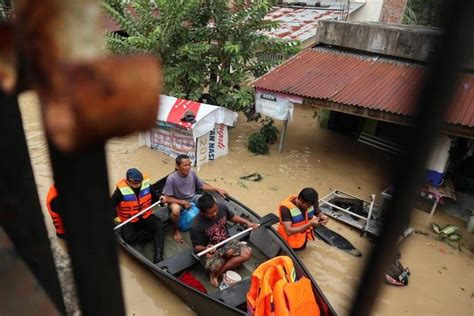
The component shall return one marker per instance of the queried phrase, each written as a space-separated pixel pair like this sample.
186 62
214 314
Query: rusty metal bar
17 281
86 97
82 182
436 93
20 210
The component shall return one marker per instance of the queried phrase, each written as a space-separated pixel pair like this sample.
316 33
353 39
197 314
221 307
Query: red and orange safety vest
297 219
57 220
274 291
131 204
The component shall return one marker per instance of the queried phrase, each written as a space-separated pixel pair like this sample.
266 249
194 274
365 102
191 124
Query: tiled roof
298 24
367 81
301 23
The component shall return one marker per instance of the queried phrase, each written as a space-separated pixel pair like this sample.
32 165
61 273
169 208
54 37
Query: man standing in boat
299 215
209 228
181 189
132 195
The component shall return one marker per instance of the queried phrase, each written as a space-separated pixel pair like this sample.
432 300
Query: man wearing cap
180 191
134 194
299 215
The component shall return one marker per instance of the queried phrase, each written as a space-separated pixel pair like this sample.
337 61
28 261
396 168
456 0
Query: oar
267 220
138 214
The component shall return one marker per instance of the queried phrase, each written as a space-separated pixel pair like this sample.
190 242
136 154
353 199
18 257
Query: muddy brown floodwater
442 280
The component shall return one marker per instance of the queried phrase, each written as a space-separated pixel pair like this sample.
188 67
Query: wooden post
282 137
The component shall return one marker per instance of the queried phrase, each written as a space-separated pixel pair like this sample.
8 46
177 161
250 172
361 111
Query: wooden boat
178 258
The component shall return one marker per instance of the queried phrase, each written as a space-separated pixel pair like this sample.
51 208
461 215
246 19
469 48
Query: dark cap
134 174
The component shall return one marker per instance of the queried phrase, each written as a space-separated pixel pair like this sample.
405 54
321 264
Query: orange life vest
274 291
297 219
130 204
260 298
57 220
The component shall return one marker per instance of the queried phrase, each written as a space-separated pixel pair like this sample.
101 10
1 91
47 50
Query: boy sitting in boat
132 195
298 216
209 228
180 190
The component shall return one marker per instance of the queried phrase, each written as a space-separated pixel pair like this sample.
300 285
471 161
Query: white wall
370 12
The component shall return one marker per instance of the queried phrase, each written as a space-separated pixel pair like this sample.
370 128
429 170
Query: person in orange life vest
55 210
209 228
181 189
298 216
132 195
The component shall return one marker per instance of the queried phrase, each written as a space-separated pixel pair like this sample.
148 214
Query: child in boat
209 228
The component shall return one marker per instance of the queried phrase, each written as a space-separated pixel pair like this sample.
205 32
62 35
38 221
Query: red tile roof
367 81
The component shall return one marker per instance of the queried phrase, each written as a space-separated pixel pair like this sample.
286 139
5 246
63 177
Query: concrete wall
411 42
370 12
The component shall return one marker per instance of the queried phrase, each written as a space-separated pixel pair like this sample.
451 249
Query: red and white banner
207 116
204 140
212 145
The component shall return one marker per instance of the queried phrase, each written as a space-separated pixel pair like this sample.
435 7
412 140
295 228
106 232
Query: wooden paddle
267 220
138 214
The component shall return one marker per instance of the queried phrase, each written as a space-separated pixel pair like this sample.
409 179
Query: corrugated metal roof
363 80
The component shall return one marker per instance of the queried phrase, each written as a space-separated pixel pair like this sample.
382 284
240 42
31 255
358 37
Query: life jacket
274 291
131 205
260 297
57 220
297 219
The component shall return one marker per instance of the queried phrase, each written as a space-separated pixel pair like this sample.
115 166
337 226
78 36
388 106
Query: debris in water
242 184
255 176
421 232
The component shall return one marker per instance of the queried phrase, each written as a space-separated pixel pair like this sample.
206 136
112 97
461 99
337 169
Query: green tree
423 12
204 45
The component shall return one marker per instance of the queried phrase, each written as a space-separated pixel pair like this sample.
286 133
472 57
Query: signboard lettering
220 134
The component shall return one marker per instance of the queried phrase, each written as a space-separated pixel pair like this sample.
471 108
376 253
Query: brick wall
392 11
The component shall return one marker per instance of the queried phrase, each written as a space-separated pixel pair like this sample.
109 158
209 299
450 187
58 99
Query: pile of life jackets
274 291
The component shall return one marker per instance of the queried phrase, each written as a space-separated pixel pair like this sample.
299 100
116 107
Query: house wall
370 12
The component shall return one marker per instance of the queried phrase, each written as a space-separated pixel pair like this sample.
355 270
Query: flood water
442 280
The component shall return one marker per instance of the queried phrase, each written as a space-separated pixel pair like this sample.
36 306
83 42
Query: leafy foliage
258 144
269 132
423 12
204 45
410 17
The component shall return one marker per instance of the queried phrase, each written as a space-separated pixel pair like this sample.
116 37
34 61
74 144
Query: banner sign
175 141
213 144
275 105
